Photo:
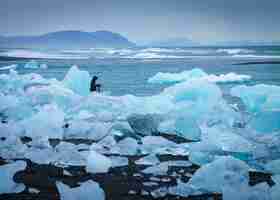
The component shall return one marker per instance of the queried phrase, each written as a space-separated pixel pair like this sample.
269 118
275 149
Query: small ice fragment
97 163
148 160
31 65
128 146
86 191
118 161
43 66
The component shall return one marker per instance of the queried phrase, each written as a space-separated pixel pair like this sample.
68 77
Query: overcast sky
145 20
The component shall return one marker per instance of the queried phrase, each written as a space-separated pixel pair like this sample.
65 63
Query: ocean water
126 71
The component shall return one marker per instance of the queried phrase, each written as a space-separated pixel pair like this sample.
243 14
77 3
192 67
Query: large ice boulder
87 191
262 101
78 81
223 171
7 172
259 97
48 122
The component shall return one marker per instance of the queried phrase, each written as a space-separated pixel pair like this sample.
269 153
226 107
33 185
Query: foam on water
41 55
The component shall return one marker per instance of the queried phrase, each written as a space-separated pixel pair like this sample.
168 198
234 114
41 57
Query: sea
124 71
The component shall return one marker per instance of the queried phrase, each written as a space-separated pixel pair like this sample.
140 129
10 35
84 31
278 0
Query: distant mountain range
67 39
247 43
173 42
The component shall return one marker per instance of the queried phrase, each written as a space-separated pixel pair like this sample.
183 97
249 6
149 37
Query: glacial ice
40 108
31 65
77 80
148 160
7 184
197 74
223 171
262 101
245 192
47 122
98 163
87 191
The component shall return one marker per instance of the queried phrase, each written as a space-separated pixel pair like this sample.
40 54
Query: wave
235 51
197 74
256 56
152 56
39 55
8 67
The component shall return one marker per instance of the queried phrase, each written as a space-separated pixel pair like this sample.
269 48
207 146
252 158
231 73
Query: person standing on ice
93 86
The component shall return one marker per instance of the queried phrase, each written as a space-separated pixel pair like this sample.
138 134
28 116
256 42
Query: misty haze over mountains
67 39
100 39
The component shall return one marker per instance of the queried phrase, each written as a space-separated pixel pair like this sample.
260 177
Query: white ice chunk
128 146
214 176
118 161
151 159
7 184
97 163
86 191
48 122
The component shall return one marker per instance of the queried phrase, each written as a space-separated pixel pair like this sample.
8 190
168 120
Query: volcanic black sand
120 183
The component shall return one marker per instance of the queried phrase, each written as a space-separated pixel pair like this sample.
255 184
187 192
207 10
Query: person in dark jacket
93 86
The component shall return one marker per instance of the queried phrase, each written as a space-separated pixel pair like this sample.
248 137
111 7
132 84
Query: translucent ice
31 65
263 103
143 124
245 192
7 184
87 191
215 175
77 80
97 163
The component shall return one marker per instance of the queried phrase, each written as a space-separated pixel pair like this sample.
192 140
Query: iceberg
86 191
197 74
213 177
262 101
7 172
177 77
78 81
